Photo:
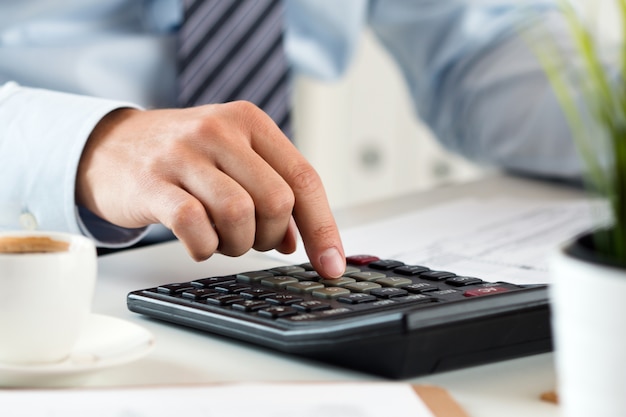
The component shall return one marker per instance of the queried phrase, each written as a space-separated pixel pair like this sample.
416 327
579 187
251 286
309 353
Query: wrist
96 143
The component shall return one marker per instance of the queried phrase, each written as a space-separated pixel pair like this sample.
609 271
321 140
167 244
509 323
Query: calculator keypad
298 294
424 320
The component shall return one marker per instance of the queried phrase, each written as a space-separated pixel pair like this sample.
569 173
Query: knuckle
208 127
244 106
202 123
236 209
185 218
235 224
249 115
325 233
305 179
187 214
222 124
278 204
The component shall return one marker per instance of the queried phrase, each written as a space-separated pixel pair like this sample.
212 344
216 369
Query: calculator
382 317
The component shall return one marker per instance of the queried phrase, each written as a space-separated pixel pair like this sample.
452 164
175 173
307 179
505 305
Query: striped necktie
233 50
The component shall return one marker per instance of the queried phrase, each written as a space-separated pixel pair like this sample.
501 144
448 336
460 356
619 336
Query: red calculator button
361 259
484 291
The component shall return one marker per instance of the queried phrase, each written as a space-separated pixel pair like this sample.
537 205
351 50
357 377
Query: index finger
312 212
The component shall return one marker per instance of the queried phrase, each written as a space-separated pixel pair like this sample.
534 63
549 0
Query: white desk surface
183 356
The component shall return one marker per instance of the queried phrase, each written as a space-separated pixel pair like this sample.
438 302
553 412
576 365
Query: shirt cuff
42 136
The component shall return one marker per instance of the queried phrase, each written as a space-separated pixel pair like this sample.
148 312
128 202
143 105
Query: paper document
499 239
259 400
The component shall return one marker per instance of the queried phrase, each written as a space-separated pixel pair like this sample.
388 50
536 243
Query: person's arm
222 177
476 82
41 140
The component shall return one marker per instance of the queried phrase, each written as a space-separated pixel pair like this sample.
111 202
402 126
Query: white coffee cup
47 281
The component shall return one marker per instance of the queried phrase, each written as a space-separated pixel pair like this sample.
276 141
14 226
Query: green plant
593 98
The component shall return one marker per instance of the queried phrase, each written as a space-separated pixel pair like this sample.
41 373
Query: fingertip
332 262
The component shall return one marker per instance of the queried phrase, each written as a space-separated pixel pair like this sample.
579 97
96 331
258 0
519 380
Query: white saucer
106 342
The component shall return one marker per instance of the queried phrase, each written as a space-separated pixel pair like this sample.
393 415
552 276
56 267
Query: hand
222 177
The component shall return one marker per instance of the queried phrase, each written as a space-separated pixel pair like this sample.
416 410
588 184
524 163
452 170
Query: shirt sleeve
476 82
42 135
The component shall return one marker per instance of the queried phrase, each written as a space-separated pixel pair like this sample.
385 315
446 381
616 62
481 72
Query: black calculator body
383 317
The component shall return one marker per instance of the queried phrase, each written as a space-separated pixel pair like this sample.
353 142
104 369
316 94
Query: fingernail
333 263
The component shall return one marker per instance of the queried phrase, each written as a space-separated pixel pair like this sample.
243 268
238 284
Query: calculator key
416 299
420 287
335 311
350 270
199 293
211 281
362 286
356 298
311 305
394 281
338 282
367 276
411 270
250 305
461 281
306 276
223 299
436 275
287 270
447 294
279 281
175 288
385 264
319 314
361 259
330 292
307 266
485 291
383 302
304 286
301 317
277 311
230 288
388 292
283 299
253 276
257 293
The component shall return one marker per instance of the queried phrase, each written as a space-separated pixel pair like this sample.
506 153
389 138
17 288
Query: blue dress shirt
64 64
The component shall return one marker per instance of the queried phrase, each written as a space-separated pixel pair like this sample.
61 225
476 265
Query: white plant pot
589 314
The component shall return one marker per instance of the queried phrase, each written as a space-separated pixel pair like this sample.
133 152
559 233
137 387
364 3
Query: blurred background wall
361 133
362 136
